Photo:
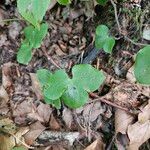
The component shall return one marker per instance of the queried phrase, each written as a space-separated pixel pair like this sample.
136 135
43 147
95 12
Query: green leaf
103 40
64 2
142 66
87 77
57 84
74 96
43 76
102 2
99 42
56 103
35 36
102 31
33 10
24 54
109 44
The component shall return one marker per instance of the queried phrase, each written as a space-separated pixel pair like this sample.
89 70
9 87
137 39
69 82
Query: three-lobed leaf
57 84
33 10
142 66
33 39
103 40
73 92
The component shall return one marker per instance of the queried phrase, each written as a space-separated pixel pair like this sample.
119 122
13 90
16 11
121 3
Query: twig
51 59
107 102
119 27
116 15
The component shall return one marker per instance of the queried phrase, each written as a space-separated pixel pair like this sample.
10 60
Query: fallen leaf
145 113
4 98
41 113
138 134
122 121
53 124
6 75
44 111
23 108
7 126
36 86
35 130
67 117
96 145
6 142
92 111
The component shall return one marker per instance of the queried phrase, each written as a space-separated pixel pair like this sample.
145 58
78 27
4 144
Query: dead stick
107 102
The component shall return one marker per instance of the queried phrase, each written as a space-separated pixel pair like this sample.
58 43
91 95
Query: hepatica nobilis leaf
24 54
73 92
103 40
142 66
33 10
35 36
56 85
33 39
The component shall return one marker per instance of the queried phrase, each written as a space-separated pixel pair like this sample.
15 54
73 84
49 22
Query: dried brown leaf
6 142
44 111
92 111
96 145
138 134
6 75
53 123
67 117
122 121
145 114
36 86
35 130
4 98
23 108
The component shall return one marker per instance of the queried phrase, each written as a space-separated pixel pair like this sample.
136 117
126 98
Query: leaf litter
27 117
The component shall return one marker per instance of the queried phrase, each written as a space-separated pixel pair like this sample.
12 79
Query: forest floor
116 115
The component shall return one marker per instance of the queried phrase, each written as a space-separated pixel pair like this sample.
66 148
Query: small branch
107 102
51 59
116 15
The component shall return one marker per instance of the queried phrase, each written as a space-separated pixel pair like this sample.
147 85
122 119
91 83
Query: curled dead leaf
96 145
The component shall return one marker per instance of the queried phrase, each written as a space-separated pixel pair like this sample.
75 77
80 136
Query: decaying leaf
138 134
6 72
92 111
53 123
122 121
6 142
36 86
3 96
35 130
145 114
7 126
96 145
67 117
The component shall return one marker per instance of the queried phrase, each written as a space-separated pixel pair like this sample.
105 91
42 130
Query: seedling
33 12
73 91
103 40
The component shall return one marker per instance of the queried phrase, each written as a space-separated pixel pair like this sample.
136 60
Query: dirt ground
110 119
